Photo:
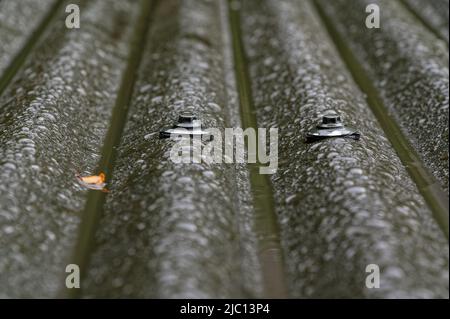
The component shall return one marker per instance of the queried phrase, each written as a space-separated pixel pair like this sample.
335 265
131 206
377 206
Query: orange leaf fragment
94 179
96 182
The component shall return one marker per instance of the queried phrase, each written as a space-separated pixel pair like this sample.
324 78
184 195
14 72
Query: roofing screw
187 125
331 126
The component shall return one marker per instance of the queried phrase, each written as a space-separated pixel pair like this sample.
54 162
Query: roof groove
23 54
95 201
270 252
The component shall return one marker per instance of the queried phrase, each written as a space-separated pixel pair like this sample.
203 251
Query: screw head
331 119
186 117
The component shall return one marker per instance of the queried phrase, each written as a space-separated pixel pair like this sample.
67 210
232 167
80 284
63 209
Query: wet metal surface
52 121
87 106
18 20
266 225
433 13
342 204
172 230
408 65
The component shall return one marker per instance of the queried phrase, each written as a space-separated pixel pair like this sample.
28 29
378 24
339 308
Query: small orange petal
94 179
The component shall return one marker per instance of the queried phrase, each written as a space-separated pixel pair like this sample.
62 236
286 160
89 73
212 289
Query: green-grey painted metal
342 204
433 13
266 226
408 65
194 230
18 20
21 27
52 121
175 230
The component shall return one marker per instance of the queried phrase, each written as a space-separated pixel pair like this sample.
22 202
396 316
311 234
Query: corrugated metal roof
76 102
